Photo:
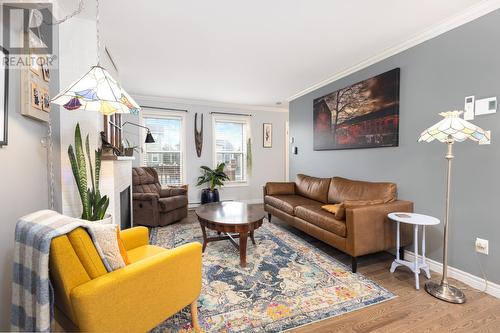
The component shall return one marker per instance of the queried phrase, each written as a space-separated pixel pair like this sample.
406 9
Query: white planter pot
108 219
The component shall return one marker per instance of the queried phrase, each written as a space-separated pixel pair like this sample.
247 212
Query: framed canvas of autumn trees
363 115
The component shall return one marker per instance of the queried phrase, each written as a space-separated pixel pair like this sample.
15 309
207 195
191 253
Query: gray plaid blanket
32 295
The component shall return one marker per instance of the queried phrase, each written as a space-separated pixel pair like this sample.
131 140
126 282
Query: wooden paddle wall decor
198 135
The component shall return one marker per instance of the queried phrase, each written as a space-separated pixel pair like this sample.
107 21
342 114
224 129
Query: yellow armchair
157 284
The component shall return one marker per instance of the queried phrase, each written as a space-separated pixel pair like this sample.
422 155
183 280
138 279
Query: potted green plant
94 205
215 178
128 148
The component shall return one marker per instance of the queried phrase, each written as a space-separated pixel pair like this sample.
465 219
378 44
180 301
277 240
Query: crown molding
480 9
198 102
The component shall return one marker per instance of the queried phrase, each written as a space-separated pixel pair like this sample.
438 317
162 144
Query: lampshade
97 91
455 128
149 138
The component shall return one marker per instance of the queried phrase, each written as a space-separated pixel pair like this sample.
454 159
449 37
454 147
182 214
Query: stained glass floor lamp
450 130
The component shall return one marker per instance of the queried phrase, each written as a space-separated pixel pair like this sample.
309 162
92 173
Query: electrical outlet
482 246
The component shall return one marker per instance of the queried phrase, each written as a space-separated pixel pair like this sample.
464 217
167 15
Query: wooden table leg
243 249
251 237
194 316
204 237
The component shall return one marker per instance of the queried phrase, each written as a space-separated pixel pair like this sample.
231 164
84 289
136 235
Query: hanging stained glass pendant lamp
97 90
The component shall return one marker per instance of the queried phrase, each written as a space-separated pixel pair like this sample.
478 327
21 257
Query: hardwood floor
413 310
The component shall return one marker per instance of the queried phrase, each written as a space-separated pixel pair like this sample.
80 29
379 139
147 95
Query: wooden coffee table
234 219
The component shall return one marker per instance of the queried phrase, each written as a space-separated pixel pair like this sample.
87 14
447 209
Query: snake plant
94 206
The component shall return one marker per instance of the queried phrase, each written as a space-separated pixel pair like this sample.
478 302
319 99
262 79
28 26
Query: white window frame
166 115
232 119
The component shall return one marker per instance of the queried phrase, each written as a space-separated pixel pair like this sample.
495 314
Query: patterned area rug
287 283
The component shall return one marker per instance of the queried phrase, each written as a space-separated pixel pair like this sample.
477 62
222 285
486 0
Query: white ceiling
254 52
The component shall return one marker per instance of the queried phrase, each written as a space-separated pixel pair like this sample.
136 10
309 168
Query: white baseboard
475 282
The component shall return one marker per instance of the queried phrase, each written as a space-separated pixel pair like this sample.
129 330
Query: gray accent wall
435 76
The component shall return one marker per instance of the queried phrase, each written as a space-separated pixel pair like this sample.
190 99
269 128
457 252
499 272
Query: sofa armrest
146 210
139 296
276 188
172 191
134 237
369 229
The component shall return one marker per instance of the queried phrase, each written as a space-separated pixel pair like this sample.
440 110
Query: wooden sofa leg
194 316
354 264
402 253
269 217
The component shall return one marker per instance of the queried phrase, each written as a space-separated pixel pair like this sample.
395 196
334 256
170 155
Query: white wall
23 185
77 53
268 163
23 181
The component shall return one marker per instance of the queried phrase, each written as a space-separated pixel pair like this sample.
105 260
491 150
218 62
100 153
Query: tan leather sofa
153 205
365 228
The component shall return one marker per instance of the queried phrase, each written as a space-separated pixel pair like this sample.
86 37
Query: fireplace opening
125 213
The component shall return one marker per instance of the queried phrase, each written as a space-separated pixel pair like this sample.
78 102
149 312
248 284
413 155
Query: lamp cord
50 162
50 143
483 272
98 37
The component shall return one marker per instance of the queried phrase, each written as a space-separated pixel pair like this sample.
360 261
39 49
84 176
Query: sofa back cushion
145 180
87 253
66 271
312 187
277 188
342 189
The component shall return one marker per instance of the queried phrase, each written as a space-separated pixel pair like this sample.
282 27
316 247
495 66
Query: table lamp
450 130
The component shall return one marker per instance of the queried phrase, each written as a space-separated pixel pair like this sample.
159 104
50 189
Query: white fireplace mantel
116 176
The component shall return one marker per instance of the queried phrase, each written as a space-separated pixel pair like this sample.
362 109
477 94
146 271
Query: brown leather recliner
365 227
153 205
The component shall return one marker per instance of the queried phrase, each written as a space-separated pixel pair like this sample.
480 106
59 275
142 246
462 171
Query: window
166 154
230 145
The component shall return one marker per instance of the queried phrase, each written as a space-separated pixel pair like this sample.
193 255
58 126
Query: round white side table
417 220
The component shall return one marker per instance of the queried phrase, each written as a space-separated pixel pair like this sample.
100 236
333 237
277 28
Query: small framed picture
46 72
36 96
267 135
45 100
34 67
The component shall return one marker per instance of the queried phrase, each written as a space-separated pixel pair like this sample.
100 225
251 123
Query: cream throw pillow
106 237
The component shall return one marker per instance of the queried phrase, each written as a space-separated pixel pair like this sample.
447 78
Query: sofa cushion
143 252
66 272
145 180
277 188
319 217
171 203
312 187
342 189
87 253
287 203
